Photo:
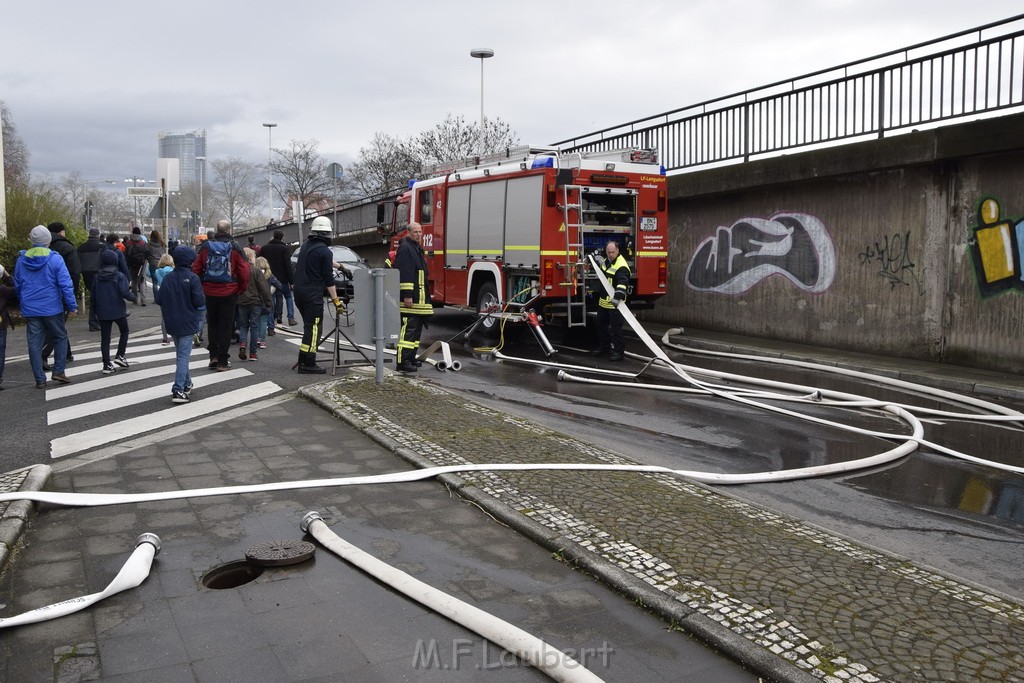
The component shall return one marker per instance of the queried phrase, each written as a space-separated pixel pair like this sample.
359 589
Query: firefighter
313 274
412 287
609 319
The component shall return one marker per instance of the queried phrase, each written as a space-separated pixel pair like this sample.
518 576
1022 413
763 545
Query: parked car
346 257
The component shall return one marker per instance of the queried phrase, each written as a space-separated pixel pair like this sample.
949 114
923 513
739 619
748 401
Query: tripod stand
337 334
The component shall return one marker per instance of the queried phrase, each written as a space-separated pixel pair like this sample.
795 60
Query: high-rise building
184 145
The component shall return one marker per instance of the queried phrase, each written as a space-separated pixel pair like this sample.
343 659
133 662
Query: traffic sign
143 191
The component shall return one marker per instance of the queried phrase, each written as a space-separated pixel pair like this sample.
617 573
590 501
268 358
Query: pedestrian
314 273
157 248
63 246
252 245
114 244
164 266
110 289
6 295
118 243
136 252
267 317
89 257
182 309
609 320
224 272
278 255
250 308
45 292
415 298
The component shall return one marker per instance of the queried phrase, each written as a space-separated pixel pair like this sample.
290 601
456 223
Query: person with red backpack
224 272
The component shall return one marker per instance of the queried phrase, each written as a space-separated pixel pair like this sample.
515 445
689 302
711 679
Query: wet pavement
790 600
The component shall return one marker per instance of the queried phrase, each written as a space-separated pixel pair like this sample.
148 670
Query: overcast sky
90 84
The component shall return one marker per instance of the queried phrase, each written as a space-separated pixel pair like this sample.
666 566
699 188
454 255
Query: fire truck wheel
486 300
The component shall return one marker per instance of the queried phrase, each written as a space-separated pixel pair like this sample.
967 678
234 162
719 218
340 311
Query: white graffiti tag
734 259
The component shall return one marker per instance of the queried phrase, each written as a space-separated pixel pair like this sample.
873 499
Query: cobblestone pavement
764 587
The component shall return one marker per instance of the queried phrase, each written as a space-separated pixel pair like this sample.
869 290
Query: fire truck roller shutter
523 201
487 220
457 227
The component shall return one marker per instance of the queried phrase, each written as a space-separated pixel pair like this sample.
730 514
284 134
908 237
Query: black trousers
312 312
609 329
105 337
409 340
220 321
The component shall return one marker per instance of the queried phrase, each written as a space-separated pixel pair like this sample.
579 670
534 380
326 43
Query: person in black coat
62 245
110 288
89 257
278 255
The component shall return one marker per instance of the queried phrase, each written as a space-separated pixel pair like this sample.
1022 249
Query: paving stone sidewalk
788 599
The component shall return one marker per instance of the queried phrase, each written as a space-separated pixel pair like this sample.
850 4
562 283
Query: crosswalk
99 411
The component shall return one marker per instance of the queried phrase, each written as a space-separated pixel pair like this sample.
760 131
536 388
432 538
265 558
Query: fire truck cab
508 234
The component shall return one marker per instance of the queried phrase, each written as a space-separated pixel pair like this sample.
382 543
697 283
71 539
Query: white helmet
322 224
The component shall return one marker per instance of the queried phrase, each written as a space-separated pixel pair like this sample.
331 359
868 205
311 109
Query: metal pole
481 53
270 174
378 323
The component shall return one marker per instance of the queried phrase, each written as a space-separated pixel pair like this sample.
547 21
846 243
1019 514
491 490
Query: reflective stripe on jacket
618 275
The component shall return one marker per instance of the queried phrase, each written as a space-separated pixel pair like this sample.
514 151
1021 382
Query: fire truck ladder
575 305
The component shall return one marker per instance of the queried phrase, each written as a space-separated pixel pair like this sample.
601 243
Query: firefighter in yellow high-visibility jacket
609 319
412 289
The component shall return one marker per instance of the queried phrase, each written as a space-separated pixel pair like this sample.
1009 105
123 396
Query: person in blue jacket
110 288
183 307
45 291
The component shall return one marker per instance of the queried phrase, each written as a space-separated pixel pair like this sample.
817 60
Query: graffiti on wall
996 248
734 259
891 255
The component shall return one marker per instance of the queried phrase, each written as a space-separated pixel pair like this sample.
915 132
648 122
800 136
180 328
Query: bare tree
303 172
15 154
235 189
386 164
454 139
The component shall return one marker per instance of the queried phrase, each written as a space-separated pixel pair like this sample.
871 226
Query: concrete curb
17 514
693 623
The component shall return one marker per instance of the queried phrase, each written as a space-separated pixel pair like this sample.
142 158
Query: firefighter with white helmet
314 274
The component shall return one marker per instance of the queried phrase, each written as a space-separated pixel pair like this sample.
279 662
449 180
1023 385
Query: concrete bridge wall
867 247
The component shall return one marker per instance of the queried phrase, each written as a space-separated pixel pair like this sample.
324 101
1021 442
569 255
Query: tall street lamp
270 174
481 53
202 183
134 180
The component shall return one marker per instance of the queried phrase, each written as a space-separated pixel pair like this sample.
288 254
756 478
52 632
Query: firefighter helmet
322 224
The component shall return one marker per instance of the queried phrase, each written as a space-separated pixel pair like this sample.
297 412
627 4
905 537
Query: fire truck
508 234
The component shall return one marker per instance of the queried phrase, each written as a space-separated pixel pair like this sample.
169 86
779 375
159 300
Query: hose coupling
308 519
152 539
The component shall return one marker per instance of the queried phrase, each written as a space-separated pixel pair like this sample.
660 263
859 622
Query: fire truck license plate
648 224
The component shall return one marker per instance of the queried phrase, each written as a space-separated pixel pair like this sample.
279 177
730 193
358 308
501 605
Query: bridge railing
979 71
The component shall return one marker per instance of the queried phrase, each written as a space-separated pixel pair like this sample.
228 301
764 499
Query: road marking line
91 438
162 436
104 405
123 376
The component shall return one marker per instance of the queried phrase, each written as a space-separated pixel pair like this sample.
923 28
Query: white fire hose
132 574
532 650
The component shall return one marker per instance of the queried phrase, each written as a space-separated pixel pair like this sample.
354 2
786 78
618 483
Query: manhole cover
280 553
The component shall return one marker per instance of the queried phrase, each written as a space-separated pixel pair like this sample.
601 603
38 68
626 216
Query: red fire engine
508 234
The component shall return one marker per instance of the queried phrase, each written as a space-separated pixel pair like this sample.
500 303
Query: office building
184 145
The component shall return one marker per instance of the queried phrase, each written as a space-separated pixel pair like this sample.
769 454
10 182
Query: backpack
218 262
135 254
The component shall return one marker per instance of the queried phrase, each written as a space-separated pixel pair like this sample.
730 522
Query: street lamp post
270 174
202 183
481 53
134 180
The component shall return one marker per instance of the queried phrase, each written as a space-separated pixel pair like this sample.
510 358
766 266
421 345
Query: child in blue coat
110 288
183 308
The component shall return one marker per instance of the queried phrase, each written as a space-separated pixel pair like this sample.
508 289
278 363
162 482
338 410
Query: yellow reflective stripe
553 253
458 251
487 252
521 247
650 254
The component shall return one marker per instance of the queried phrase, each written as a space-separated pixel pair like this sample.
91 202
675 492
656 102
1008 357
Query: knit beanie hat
40 236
